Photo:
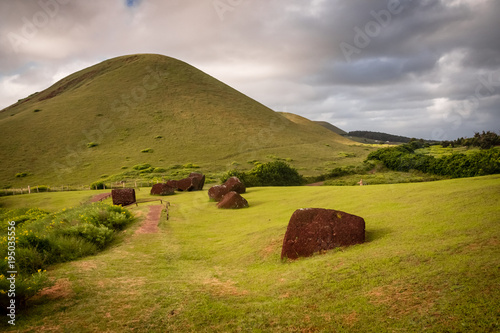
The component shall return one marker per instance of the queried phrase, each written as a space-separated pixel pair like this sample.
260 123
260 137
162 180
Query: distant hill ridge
379 136
360 135
149 108
331 127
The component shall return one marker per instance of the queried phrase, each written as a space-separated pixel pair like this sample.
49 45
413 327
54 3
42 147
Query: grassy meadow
430 263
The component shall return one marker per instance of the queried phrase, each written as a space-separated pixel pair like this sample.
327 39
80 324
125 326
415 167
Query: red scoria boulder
172 183
217 192
194 182
123 197
162 189
201 180
235 184
312 230
232 200
187 184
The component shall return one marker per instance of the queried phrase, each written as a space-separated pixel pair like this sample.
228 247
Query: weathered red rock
235 184
217 192
187 184
194 182
312 230
232 200
201 180
123 197
172 183
162 189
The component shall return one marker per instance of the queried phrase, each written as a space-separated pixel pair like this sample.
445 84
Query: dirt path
150 224
100 197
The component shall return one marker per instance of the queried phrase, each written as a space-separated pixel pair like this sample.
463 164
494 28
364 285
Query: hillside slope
146 109
331 127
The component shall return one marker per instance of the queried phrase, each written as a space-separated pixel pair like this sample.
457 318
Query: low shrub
92 144
176 166
44 239
276 173
98 235
147 150
43 188
98 185
190 166
27 286
456 165
142 166
66 248
148 170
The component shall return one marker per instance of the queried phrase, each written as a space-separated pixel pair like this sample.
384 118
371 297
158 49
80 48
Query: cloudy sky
428 68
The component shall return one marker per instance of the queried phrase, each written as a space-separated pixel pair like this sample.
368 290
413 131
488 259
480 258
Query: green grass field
430 263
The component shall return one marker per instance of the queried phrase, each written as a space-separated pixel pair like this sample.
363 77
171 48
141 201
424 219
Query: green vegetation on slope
33 239
149 109
277 173
405 158
430 263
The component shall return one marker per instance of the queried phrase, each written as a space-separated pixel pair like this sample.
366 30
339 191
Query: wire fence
64 188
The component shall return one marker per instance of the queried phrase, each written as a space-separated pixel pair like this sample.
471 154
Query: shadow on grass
376 234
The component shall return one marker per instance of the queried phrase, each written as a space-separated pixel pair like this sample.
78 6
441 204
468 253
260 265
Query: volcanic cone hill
149 108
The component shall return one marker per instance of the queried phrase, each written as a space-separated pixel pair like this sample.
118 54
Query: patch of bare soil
403 299
351 318
223 288
88 265
273 246
150 224
61 289
100 197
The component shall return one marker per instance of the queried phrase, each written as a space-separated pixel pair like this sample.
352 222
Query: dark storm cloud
418 68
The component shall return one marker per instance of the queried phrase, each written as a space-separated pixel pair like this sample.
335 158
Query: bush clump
98 185
43 188
276 173
456 165
190 166
142 166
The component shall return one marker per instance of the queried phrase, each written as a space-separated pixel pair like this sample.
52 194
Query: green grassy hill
331 127
149 109
430 263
